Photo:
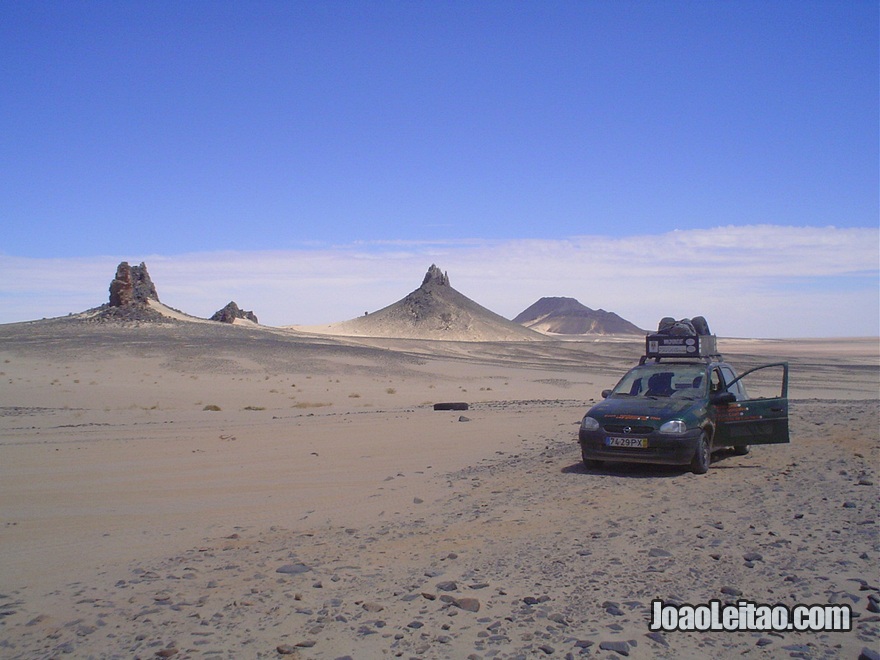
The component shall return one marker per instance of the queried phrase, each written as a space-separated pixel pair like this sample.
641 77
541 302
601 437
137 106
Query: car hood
635 408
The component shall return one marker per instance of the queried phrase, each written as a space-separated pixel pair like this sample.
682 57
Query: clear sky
351 144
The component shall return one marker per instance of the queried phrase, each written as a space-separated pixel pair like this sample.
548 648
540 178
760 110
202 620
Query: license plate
629 443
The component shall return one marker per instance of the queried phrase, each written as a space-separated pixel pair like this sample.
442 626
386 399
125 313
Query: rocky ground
528 554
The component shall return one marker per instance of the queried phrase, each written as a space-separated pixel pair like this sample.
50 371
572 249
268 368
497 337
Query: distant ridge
435 311
567 316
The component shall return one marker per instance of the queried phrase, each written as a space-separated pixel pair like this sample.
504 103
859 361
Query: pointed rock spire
131 285
435 276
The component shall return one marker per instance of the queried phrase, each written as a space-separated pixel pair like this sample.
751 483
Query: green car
678 411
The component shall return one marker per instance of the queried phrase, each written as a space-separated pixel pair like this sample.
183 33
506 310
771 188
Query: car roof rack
660 346
681 359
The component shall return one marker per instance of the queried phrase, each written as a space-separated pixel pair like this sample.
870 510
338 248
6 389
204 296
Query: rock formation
231 312
132 285
132 299
566 316
436 311
435 276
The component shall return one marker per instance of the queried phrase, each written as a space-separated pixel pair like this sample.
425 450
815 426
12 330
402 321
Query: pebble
657 637
617 647
467 604
293 569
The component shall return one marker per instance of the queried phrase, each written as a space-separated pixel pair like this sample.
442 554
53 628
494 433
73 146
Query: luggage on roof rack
685 338
695 326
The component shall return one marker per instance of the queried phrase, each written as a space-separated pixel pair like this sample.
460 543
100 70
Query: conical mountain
567 316
436 311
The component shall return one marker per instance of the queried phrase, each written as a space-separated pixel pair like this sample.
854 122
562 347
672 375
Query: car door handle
777 409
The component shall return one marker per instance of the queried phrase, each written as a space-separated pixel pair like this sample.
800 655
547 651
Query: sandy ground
197 490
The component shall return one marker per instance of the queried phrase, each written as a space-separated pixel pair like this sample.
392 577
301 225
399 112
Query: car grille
633 430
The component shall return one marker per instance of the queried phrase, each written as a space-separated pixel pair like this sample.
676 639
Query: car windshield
683 381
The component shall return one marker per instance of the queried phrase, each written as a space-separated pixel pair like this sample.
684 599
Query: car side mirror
723 398
606 394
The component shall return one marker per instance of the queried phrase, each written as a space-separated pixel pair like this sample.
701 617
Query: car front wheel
590 463
702 456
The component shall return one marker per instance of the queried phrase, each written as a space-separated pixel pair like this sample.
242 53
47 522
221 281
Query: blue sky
164 131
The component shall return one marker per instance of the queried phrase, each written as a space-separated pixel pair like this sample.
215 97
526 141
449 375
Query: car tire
454 405
702 456
700 325
741 451
590 463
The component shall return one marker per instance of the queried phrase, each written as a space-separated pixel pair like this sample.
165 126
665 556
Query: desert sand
197 490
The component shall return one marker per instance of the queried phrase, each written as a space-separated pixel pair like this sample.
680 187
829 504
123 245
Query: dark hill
566 316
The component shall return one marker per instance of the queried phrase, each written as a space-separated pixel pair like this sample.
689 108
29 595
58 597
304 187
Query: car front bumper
663 448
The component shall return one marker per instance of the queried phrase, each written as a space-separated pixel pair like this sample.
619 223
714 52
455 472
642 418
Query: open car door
762 420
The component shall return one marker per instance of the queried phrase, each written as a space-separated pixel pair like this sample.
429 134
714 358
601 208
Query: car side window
736 389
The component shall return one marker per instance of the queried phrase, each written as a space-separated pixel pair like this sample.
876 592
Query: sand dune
209 490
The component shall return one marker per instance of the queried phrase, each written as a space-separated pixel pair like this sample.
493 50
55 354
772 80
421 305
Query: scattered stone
447 585
468 604
617 647
657 637
285 649
293 569
614 609
753 556
659 552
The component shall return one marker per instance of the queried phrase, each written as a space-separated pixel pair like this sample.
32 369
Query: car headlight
589 424
674 426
